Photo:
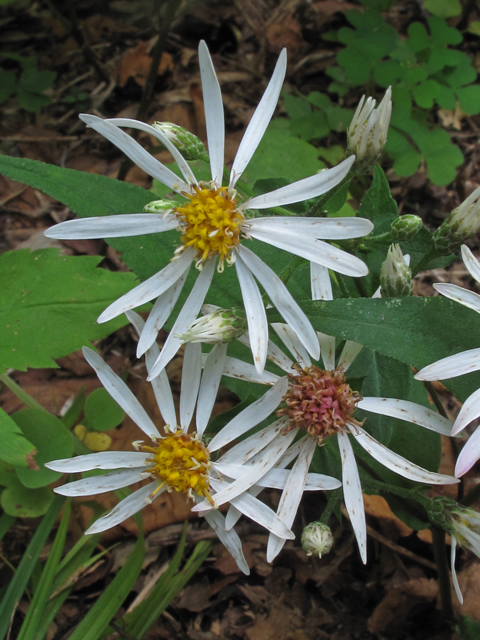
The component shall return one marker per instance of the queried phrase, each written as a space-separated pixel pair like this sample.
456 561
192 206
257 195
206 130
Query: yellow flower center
210 223
182 462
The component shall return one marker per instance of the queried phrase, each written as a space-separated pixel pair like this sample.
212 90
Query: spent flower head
462 223
317 539
395 275
367 133
214 220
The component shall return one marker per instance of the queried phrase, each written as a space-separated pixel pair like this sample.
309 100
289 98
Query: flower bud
190 146
367 133
405 227
159 206
317 539
462 223
219 326
464 524
395 275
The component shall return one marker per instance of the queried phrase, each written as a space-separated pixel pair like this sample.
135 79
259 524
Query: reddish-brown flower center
319 402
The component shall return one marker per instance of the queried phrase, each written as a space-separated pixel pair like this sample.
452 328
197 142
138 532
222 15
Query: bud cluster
395 275
189 145
219 326
462 223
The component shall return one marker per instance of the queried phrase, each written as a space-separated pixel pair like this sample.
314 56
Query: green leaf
296 107
358 67
338 118
416 331
387 72
32 101
102 412
419 39
24 570
441 32
34 81
49 305
8 84
443 8
446 98
311 127
39 601
474 27
468 628
15 450
22 502
98 618
424 94
51 440
441 164
320 100
469 98
407 163
377 203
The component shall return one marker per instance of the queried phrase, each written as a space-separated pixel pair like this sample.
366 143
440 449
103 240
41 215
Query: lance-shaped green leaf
416 331
49 305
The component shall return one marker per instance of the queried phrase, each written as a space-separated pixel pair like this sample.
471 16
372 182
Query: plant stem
333 499
317 210
165 22
471 497
439 552
22 395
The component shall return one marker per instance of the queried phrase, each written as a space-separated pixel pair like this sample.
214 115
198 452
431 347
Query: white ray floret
210 241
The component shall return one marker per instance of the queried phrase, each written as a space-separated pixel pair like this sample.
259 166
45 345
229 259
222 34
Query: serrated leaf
51 440
49 305
15 448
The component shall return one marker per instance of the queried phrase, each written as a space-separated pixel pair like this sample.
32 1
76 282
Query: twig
439 551
158 50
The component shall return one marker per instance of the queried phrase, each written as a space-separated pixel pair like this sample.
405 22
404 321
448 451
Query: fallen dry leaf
135 63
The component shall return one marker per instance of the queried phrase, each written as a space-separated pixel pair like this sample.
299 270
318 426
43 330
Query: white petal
468 298
229 539
469 412
127 507
101 484
469 454
255 312
283 300
304 189
186 316
263 515
142 126
102 460
471 263
251 416
160 384
235 368
254 444
349 352
452 366
276 355
290 339
323 228
314 250
456 586
191 374
327 350
260 119
265 462
150 288
136 153
397 463
352 493
276 478
118 226
121 393
320 282
214 118
292 494
408 411
160 313
207 395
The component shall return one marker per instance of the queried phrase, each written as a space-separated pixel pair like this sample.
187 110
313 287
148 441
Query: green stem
439 552
290 268
317 210
22 395
333 500
428 257
31 403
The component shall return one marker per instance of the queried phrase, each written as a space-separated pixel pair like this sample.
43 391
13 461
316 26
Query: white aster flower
319 401
216 325
460 364
214 223
181 461
367 133
464 528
